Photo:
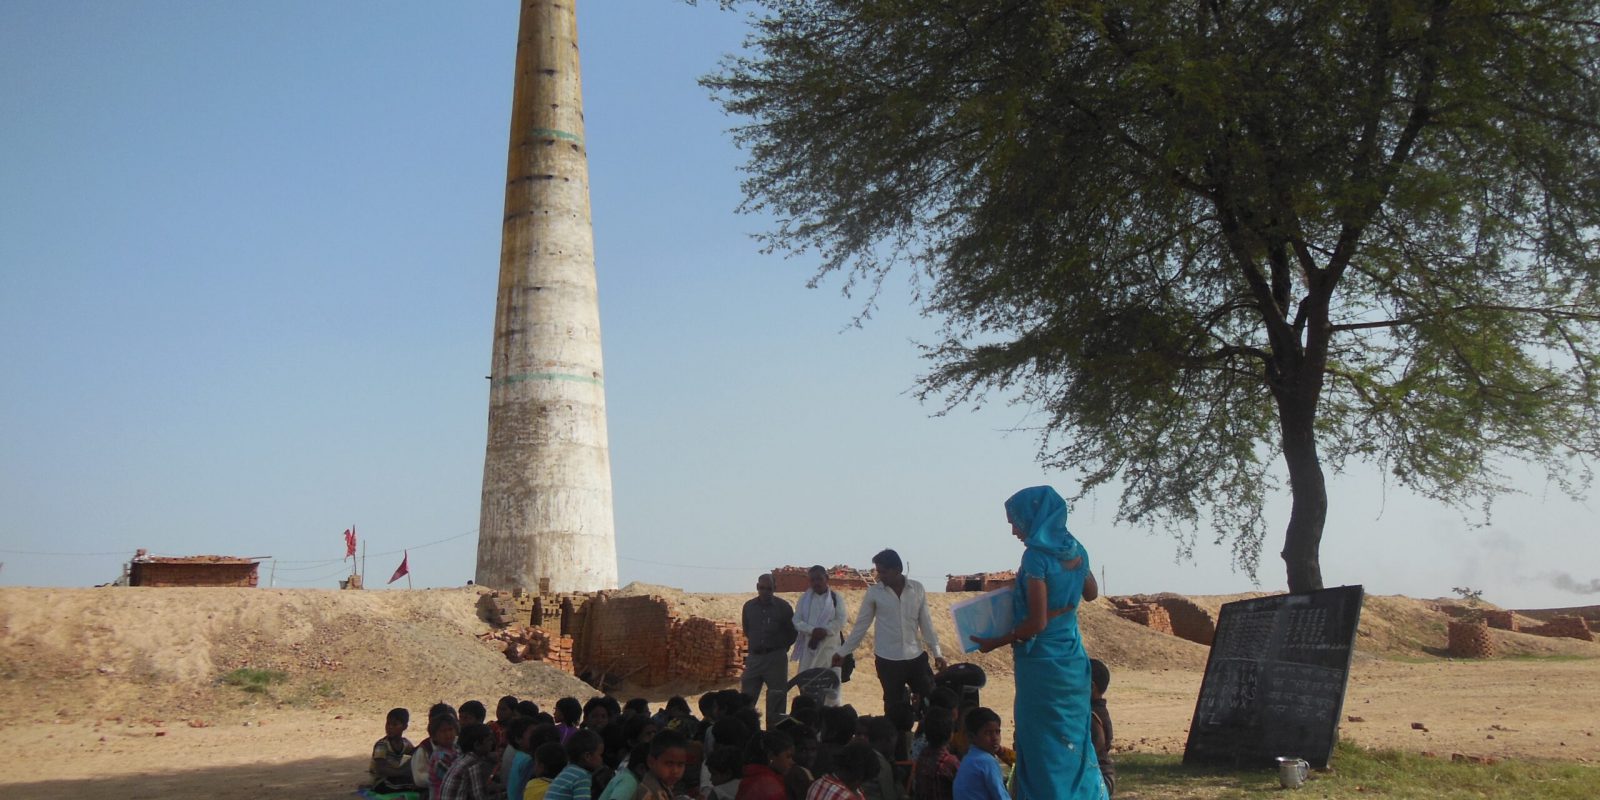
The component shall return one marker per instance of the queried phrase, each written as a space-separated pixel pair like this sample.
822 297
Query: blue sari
1055 751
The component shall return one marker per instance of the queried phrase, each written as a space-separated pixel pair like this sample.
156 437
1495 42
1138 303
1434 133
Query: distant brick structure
607 639
1571 627
1151 615
626 638
1502 620
1189 621
1168 613
798 579
1591 614
980 581
1469 639
148 570
523 643
704 652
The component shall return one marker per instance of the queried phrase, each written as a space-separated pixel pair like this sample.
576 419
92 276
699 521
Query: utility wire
312 563
693 566
68 555
303 581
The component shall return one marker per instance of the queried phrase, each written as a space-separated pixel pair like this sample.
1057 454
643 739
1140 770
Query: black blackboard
1275 679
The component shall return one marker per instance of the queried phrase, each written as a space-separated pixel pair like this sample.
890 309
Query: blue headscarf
1042 514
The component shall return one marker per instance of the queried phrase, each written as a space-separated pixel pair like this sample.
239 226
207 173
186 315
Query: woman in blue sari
1055 753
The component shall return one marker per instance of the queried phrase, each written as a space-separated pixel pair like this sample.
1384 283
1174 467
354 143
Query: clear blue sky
247 272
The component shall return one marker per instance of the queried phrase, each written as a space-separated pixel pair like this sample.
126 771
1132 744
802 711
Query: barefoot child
979 775
391 755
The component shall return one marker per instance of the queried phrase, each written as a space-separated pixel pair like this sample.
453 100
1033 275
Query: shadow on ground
310 779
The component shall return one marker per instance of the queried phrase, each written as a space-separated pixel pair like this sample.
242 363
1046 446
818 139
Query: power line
312 563
693 566
319 578
67 555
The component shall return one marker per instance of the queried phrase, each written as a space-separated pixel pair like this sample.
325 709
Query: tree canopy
1199 237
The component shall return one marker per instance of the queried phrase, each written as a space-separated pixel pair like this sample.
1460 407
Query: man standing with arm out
819 624
768 623
900 607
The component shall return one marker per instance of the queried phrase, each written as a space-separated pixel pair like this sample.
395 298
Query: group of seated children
601 751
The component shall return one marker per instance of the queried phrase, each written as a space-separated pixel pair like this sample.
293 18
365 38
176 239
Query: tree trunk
1309 490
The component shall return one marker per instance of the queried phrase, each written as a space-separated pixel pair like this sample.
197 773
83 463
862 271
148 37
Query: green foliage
1360 773
255 681
1193 236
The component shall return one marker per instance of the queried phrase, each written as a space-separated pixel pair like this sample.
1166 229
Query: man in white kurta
819 620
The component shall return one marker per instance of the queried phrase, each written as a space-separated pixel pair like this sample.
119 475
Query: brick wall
192 574
791 579
979 582
626 638
798 579
1468 639
607 639
1504 620
1189 621
1565 627
1150 615
705 652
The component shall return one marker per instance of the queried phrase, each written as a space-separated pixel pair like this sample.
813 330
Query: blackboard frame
1275 679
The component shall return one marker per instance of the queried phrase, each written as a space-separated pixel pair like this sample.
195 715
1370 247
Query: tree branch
1549 313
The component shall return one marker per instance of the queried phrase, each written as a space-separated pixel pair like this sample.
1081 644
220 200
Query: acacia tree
1199 235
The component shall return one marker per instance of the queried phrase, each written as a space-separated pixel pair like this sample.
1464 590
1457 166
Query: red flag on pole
350 542
403 570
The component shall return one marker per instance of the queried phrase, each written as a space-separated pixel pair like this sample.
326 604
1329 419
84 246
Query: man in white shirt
899 605
819 619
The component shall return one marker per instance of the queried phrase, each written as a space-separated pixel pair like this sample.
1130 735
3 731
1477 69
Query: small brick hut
148 570
979 582
798 579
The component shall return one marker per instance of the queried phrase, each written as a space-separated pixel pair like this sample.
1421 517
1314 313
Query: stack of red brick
1570 627
1168 613
798 579
610 639
1468 639
522 643
1149 614
979 582
706 652
1189 621
1503 620
624 638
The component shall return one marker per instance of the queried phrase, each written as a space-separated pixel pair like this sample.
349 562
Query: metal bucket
1292 772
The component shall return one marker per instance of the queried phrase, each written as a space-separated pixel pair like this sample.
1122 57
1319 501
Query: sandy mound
124 684
1107 636
121 651
131 650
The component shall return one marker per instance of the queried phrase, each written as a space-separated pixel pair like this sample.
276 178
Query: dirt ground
117 689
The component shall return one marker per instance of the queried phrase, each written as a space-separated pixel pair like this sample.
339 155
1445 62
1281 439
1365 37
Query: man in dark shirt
769 626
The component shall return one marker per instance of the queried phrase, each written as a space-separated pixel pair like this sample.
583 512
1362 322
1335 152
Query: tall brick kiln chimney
547 471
